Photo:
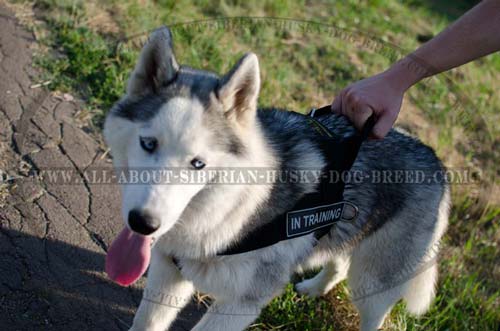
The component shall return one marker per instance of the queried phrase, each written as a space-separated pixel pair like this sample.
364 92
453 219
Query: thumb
337 104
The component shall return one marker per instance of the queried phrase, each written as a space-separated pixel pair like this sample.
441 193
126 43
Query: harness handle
365 131
368 127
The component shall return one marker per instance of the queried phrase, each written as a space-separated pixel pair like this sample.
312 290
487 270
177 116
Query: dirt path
53 237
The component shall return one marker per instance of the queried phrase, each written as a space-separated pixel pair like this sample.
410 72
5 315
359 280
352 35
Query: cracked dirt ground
53 237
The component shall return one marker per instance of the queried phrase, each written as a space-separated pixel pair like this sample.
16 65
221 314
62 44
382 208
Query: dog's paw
310 287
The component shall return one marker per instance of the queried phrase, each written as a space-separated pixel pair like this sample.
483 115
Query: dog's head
175 117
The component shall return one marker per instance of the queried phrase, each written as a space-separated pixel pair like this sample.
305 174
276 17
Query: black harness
316 212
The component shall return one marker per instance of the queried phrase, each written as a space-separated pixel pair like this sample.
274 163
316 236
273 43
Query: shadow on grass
451 9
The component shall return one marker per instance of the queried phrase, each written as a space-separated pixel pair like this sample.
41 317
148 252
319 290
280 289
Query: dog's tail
421 290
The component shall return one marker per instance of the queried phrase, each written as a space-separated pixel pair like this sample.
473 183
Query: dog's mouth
128 257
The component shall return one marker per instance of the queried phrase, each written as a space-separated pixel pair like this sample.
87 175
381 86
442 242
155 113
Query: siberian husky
176 117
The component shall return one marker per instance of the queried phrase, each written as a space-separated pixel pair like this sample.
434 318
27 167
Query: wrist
407 72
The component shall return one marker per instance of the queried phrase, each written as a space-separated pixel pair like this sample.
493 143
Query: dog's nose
142 222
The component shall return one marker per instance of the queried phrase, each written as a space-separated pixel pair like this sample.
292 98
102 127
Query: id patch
299 222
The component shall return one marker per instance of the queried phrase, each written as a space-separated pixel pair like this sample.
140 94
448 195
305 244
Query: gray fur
188 82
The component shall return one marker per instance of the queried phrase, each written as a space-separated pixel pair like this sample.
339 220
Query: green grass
303 66
89 66
293 312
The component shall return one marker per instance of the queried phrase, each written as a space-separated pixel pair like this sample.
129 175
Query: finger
346 105
337 104
384 124
359 115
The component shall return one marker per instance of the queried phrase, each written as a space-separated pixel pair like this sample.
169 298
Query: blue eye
197 163
148 144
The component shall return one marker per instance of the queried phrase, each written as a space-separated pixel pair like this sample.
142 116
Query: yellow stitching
320 128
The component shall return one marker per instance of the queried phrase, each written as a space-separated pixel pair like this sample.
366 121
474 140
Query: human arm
475 34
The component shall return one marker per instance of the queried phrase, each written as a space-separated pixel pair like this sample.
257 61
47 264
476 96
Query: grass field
85 52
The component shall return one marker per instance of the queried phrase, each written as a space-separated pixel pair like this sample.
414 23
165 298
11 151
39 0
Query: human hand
380 95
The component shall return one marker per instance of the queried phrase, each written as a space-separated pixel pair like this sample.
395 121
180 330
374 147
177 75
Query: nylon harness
318 211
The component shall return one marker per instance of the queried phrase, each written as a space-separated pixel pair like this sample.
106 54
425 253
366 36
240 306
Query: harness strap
327 110
318 211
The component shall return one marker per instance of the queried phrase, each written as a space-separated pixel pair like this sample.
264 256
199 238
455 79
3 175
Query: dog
177 117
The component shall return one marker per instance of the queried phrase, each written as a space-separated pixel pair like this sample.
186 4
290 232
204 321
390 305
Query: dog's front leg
229 316
166 293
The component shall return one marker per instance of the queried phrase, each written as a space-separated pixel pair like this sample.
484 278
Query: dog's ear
239 89
156 67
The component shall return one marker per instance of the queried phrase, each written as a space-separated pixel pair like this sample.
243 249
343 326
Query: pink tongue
128 257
